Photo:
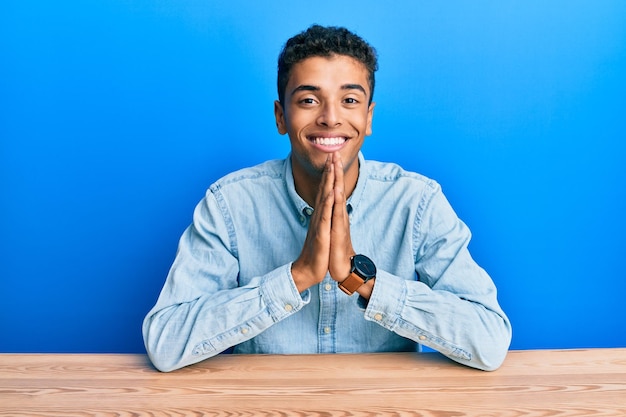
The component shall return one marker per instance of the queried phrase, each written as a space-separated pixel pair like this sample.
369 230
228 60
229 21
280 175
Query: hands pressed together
328 246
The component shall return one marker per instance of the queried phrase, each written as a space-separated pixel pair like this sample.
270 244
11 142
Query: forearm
473 332
178 333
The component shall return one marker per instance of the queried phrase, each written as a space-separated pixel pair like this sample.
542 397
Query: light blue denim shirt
231 285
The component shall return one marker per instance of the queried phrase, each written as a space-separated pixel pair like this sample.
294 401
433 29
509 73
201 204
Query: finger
339 184
340 213
341 244
322 216
326 184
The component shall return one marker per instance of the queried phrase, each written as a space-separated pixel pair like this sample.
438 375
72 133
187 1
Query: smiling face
326 109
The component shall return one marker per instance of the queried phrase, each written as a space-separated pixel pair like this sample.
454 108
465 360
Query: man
324 251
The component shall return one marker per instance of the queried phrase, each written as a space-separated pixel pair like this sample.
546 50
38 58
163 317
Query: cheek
365 126
295 124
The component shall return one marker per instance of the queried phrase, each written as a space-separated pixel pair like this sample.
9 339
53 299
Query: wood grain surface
542 383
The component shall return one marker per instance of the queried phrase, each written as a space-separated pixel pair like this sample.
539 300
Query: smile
328 141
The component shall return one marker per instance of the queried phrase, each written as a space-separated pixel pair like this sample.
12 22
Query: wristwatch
362 270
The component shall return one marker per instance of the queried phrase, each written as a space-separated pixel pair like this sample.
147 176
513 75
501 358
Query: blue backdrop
116 115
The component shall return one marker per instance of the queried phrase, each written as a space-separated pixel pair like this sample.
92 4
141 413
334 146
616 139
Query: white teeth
329 141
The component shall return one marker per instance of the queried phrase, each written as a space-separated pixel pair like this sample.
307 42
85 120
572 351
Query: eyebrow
354 87
307 87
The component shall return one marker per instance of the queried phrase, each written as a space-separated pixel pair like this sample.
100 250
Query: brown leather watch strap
351 284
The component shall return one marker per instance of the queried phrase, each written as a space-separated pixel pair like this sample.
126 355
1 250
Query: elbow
487 358
492 362
169 349
162 354
170 358
161 363
159 357
487 351
492 354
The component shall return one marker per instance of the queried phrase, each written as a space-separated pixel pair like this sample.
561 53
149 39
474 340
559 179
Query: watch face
364 266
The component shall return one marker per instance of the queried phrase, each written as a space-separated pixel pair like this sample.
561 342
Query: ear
370 116
279 114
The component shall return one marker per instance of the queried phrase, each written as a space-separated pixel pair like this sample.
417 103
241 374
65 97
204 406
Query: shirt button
288 307
328 287
378 317
422 337
308 211
244 330
326 330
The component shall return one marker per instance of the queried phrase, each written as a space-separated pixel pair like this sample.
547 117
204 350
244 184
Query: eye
307 101
351 100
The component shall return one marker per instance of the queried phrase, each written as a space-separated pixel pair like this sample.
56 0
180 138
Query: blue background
115 116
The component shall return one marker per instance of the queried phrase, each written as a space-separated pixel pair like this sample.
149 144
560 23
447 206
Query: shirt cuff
385 304
281 294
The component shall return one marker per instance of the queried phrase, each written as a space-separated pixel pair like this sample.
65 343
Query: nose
330 115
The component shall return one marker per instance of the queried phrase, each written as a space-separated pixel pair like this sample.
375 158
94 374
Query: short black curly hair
324 41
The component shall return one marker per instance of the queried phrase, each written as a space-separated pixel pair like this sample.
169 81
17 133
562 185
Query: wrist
366 289
362 270
301 278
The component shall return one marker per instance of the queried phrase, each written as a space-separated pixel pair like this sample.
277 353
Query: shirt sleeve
452 305
201 310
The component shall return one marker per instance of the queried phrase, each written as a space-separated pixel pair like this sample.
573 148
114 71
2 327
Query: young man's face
325 110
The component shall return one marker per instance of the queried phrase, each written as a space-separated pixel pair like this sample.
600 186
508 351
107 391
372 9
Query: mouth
328 143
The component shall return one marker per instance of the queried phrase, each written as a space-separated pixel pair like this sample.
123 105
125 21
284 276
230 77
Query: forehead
329 72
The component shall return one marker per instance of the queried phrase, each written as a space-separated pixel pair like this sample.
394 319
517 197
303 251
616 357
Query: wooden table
583 383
